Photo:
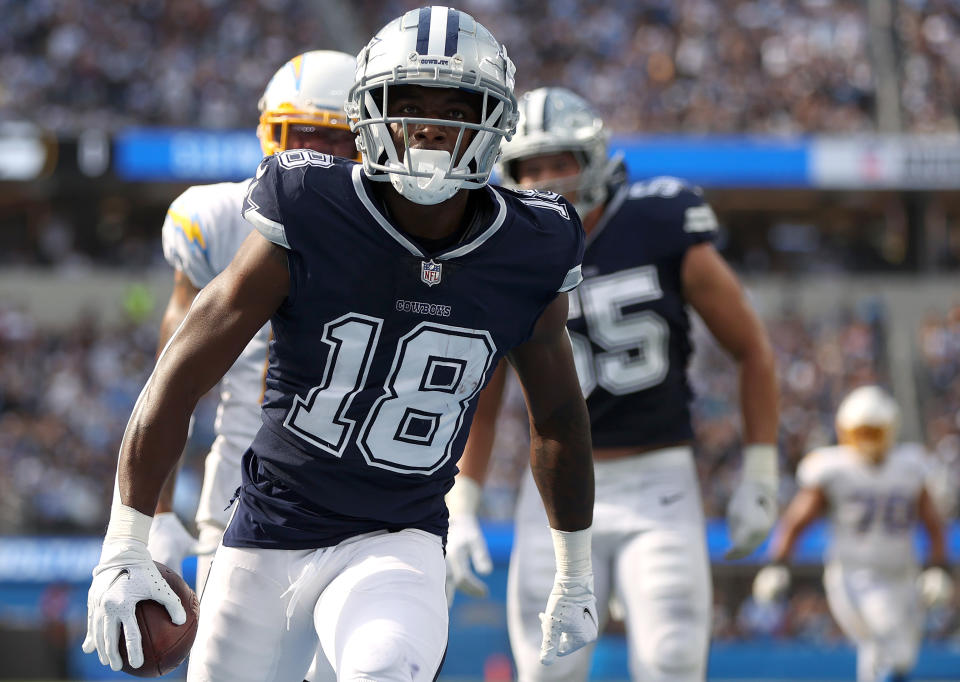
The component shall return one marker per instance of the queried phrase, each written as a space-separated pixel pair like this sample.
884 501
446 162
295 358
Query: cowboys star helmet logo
430 272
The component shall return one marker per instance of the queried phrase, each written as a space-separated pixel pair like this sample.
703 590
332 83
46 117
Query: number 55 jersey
381 348
628 321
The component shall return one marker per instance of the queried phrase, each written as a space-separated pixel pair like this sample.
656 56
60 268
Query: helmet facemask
275 126
871 442
427 176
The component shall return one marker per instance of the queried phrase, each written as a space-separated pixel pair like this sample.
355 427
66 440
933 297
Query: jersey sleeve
186 238
262 206
683 217
814 470
574 274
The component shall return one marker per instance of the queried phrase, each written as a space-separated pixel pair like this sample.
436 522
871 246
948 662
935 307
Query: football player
393 288
649 255
873 492
301 108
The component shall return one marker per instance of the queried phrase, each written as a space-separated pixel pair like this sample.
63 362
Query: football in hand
165 645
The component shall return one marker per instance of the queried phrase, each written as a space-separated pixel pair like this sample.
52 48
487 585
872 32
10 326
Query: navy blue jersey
380 349
628 320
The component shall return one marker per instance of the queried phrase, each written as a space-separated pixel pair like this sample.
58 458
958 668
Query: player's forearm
151 449
562 464
805 507
759 397
938 549
783 543
479 447
165 499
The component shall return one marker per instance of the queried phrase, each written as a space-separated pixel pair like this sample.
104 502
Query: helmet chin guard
430 190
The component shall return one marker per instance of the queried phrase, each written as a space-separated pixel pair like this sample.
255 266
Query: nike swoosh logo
670 499
586 612
123 572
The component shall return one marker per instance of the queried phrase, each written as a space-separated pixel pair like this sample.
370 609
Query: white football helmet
310 89
867 420
435 47
556 120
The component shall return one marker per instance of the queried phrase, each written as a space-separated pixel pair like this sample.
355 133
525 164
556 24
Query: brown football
165 645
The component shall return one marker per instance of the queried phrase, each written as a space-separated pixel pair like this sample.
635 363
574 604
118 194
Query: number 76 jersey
872 508
381 349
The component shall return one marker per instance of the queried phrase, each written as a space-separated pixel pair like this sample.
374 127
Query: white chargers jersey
201 233
873 509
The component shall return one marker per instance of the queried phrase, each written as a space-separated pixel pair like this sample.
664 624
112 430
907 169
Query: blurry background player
301 108
649 254
393 289
873 491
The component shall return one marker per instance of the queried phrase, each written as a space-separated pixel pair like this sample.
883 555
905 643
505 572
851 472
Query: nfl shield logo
430 272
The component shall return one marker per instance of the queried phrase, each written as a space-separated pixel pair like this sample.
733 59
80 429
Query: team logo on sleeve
430 272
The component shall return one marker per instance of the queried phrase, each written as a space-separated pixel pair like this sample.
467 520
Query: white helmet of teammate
433 47
556 120
310 89
867 420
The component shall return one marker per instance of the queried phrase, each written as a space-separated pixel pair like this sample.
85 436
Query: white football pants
221 477
375 603
649 550
880 611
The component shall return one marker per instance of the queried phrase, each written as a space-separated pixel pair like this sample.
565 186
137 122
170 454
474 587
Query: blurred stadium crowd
770 66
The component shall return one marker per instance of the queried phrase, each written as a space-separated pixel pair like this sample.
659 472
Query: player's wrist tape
760 463
126 523
464 497
572 552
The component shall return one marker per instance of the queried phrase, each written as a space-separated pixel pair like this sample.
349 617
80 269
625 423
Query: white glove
170 542
771 583
936 586
125 575
752 509
570 620
465 541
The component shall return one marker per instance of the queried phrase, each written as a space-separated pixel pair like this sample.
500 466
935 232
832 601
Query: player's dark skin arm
711 287
807 505
476 455
224 317
180 301
560 449
933 524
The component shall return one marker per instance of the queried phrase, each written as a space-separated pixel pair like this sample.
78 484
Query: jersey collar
455 251
611 210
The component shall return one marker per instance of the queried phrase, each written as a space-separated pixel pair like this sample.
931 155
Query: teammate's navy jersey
628 320
380 350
